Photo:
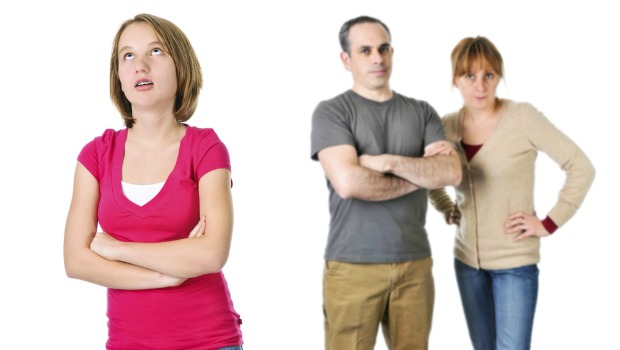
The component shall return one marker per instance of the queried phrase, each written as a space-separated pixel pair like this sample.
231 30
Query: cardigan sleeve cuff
549 225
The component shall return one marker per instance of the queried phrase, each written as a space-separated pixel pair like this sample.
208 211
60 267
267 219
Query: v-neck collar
166 191
500 117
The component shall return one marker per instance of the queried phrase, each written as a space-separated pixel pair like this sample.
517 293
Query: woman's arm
81 262
443 203
188 257
571 159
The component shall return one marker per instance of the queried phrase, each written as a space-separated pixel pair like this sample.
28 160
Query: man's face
370 60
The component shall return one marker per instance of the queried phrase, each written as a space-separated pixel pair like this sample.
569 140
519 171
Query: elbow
72 269
213 265
70 272
456 173
344 194
71 266
592 173
344 189
457 176
216 265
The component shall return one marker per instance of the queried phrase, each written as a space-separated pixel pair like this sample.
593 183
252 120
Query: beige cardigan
499 180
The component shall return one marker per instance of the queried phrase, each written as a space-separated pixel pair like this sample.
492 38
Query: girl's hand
105 245
524 225
173 281
199 230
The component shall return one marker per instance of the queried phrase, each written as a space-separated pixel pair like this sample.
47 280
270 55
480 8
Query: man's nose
377 57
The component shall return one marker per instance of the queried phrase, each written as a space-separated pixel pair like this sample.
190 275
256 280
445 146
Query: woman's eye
469 76
490 75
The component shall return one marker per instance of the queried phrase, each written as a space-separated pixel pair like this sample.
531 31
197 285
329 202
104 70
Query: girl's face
146 71
478 88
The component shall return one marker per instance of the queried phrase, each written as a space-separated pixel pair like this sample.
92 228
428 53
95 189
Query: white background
266 66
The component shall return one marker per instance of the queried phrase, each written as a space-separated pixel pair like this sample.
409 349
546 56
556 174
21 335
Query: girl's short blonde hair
189 73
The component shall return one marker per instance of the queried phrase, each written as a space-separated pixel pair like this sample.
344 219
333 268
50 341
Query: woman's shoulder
104 140
451 120
451 117
199 135
520 108
203 140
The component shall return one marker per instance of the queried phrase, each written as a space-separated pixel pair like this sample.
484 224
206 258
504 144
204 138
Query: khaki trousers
359 297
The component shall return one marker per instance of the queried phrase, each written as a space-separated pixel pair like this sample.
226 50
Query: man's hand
438 148
377 163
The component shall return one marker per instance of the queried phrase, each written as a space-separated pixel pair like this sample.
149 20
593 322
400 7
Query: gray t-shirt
376 232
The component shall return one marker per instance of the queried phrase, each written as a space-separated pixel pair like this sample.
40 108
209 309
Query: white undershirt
141 194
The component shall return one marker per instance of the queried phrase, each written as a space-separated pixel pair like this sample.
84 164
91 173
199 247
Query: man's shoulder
340 103
419 107
344 96
412 100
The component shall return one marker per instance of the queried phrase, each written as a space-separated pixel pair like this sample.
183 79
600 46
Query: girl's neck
156 130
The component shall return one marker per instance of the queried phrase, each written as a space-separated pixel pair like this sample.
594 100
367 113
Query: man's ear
344 57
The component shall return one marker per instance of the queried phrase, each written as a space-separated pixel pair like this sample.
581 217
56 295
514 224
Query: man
380 151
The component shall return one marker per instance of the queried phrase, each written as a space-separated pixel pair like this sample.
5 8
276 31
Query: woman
498 236
160 191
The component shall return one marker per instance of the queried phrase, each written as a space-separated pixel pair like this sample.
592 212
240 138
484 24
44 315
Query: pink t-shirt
198 314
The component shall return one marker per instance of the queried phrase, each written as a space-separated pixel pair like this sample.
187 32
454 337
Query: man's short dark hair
344 30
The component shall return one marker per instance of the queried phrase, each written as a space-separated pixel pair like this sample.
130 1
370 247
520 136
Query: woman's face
478 88
147 72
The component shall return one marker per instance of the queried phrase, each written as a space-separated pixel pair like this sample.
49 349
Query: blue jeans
499 305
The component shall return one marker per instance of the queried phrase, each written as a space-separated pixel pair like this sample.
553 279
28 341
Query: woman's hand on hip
524 225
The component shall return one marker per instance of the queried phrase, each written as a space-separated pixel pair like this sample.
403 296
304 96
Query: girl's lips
143 82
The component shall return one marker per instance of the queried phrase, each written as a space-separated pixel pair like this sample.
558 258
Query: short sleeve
433 131
211 154
92 152
329 128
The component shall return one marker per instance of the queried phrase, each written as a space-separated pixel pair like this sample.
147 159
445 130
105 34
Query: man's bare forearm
426 172
350 180
370 185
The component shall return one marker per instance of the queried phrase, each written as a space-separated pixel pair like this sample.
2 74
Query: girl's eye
128 56
157 51
490 75
469 76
